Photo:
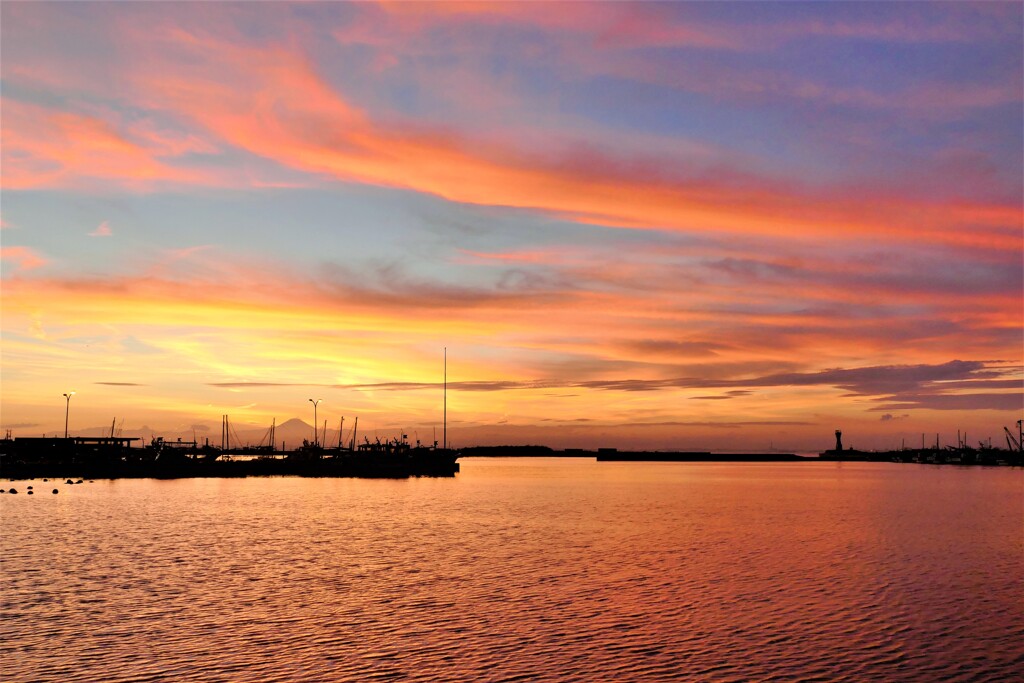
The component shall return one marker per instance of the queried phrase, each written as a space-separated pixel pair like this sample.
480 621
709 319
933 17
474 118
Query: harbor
118 457
936 454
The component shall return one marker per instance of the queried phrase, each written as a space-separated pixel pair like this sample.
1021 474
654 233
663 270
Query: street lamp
67 409
314 420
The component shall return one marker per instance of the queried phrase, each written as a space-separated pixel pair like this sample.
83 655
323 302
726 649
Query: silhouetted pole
67 409
444 434
314 419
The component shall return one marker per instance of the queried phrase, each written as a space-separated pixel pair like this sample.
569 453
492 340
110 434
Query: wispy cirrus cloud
276 104
663 320
438 163
640 25
979 401
48 147
937 387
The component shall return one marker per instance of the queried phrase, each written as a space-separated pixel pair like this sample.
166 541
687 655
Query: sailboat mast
445 432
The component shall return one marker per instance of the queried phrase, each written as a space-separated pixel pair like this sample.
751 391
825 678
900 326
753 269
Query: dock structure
66 449
615 455
960 454
114 457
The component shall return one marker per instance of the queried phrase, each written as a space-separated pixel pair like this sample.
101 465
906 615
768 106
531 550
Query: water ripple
568 571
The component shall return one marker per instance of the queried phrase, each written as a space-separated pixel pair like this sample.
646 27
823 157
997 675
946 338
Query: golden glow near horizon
623 237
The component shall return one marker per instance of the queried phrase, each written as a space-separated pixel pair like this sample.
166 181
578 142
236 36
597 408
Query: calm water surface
522 570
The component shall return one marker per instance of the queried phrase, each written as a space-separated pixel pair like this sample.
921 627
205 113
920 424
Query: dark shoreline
112 458
425 462
615 455
696 456
226 469
944 456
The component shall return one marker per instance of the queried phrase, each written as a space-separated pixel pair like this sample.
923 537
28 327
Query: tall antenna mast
445 432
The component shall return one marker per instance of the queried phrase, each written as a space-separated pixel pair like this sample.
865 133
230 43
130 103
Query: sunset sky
705 226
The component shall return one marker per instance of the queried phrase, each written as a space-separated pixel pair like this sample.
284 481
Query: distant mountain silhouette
292 432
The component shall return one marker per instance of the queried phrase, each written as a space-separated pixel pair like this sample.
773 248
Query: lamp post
67 409
314 420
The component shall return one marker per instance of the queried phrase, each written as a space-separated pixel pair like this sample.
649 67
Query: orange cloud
23 258
541 355
748 309
48 148
271 103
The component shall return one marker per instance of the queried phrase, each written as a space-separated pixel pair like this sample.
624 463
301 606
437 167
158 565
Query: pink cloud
651 25
619 24
23 258
271 102
46 147
103 230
